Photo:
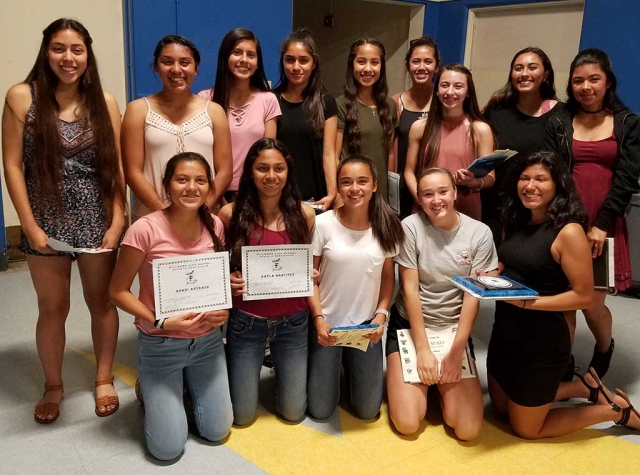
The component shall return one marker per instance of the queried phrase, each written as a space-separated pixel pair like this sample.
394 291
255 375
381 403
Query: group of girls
252 156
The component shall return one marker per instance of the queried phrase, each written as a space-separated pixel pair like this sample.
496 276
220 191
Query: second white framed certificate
197 283
275 272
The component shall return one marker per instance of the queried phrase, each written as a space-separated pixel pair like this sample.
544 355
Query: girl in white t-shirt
438 243
184 350
353 249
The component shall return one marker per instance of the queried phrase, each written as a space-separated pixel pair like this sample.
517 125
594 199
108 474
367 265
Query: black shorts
398 322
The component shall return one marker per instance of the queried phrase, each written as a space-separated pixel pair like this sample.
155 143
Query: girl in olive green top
367 116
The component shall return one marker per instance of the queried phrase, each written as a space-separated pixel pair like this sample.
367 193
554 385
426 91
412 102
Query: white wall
499 32
392 24
21 34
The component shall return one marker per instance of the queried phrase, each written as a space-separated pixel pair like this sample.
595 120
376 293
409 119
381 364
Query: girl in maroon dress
600 139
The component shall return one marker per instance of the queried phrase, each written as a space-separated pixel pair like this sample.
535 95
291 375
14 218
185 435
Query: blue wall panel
612 26
205 22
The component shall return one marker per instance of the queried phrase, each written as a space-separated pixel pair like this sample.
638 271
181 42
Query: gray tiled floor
81 443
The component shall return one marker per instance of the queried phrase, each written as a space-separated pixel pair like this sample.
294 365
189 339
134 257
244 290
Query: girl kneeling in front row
267 211
185 349
353 248
438 243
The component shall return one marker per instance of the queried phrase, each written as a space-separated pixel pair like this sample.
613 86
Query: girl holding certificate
546 249
600 140
171 121
267 211
184 350
438 243
353 249
452 137
60 134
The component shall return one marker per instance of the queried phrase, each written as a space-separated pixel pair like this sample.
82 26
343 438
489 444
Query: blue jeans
165 366
247 339
363 371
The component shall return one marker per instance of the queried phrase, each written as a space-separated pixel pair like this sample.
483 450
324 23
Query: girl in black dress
545 248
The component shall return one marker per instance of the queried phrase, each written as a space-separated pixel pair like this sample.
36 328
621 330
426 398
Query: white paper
440 342
197 283
393 191
275 272
61 246
352 337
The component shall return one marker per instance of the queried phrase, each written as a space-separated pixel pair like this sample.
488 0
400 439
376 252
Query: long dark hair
176 40
203 210
247 209
313 104
258 80
566 206
93 109
419 42
599 57
385 225
508 95
380 94
430 141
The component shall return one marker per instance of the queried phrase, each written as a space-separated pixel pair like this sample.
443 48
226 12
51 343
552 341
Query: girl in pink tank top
268 211
451 138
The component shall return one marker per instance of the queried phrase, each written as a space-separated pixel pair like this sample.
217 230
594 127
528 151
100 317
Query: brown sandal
48 407
105 401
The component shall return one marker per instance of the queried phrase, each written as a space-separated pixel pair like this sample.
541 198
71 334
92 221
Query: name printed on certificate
275 272
198 283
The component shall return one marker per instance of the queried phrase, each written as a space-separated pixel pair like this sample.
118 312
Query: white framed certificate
393 191
197 283
275 272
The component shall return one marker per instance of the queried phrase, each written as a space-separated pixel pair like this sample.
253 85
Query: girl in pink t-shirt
241 88
183 350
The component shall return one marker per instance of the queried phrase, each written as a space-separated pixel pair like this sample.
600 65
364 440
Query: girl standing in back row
452 137
599 138
60 136
367 116
242 90
422 62
309 121
171 121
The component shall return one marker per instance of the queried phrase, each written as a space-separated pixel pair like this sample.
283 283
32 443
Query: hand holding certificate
353 336
440 343
275 272
191 284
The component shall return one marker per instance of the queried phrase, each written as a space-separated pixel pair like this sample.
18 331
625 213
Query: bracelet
314 318
524 304
383 312
160 323
477 190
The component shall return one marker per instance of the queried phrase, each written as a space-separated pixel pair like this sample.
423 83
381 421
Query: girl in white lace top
171 121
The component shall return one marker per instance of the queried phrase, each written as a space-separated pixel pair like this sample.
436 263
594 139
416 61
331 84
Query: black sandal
594 392
625 411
